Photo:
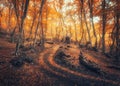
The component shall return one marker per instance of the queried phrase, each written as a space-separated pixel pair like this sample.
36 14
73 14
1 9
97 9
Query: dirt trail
46 71
49 64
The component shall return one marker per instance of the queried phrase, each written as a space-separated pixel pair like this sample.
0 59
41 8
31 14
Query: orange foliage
53 18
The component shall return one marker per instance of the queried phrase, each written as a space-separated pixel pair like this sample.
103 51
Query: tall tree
33 19
117 29
41 19
1 9
103 24
81 2
90 4
20 8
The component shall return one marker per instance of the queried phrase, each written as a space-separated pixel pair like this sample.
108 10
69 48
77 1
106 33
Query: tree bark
90 3
103 25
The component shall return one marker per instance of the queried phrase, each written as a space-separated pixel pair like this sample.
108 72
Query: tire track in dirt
50 71
50 65
45 66
101 63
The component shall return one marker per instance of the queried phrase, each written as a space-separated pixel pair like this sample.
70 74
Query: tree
20 8
42 31
88 29
90 4
117 29
1 9
103 25
0 18
33 20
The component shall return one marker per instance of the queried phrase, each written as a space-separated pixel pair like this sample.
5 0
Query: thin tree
117 29
42 31
90 4
33 20
88 29
1 9
103 25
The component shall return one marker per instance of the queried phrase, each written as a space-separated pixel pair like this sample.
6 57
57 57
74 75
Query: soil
47 68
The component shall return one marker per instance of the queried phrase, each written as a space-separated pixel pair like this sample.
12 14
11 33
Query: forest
59 42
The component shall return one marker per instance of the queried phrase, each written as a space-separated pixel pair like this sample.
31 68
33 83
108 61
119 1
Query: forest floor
48 69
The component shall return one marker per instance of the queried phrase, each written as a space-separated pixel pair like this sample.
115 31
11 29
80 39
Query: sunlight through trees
93 22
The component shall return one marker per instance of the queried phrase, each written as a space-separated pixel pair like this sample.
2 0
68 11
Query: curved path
48 64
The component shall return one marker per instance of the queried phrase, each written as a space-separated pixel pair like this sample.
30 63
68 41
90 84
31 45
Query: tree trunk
88 31
103 25
34 41
20 21
90 3
117 33
42 31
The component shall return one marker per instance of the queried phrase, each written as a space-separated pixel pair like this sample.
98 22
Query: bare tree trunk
90 3
8 25
83 14
33 21
76 39
117 32
34 41
11 32
113 39
51 32
82 36
88 31
20 20
42 31
0 19
70 31
46 21
56 34
103 25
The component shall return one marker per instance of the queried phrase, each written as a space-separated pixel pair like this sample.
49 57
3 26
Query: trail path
48 65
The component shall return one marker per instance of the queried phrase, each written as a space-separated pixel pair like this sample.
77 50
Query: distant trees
0 17
74 22
103 8
83 12
76 18
90 4
2 7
